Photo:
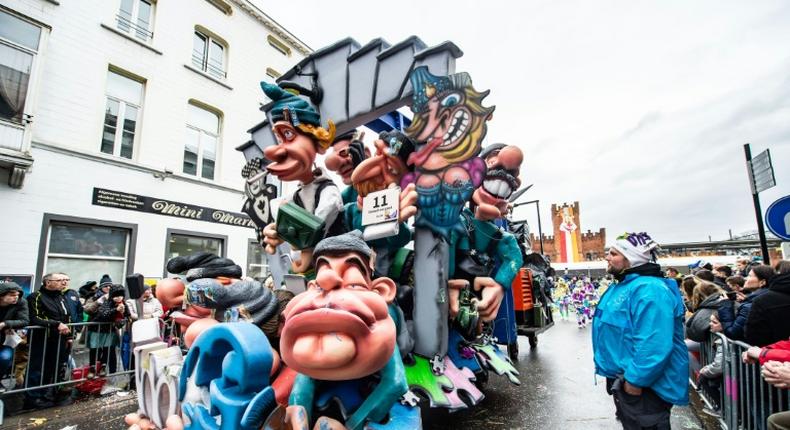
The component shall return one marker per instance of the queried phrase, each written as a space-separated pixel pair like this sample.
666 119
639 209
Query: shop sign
135 202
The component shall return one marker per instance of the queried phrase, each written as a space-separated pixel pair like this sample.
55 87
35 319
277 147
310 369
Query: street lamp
540 228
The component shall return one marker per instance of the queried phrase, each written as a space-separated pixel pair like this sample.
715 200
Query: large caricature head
449 118
339 329
503 163
346 152
297 129
388 166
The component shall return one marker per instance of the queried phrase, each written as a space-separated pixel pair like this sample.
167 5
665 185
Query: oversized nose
275 153
328 279
510 157
332 161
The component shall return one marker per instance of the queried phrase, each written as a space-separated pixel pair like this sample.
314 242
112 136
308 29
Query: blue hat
287 106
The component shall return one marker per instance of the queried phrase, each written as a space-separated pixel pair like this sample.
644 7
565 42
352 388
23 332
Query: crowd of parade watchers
43 333
749 303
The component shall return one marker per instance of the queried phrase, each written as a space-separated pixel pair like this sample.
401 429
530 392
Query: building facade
118 123
568 244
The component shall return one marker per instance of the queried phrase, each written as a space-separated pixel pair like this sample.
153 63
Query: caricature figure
449 123
489 258
340 330
300 137
347 151
384 169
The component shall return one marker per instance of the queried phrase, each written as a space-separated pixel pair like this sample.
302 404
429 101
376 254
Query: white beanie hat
638 248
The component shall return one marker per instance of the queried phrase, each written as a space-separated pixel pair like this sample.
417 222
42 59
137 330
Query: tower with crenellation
569 243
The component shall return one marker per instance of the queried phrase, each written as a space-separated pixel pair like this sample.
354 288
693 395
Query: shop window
186 243
121 115
257 267
135 17
19 43
208 53
202 140
85 252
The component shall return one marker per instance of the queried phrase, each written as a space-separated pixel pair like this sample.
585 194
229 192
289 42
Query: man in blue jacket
638 336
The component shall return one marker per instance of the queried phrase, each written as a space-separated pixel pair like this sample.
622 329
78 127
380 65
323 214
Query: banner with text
134 202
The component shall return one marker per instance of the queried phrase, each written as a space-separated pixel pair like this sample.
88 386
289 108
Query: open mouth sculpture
500 183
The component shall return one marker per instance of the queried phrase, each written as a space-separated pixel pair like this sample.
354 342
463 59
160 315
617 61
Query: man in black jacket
49 345
768 320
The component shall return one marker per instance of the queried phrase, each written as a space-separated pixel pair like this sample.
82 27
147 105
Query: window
200 150
281 47
86 252
124 100
135 18
257 267
208 54
19 42
186 243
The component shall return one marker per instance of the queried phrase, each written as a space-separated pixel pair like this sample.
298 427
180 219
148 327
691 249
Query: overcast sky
638 110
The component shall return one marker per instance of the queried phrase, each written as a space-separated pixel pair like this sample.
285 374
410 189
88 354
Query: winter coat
14 316
715 369
769 320
107 311
48 308
638 333
733 322
73 304
698 326
106 335
779 351
152 308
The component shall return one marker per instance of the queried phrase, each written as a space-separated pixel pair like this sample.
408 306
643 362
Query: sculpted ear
385 287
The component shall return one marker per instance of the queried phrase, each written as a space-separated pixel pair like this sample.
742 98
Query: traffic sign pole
756 198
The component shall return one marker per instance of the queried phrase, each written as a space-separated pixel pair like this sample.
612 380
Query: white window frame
122 104
202 63
194 234
47 255
133 29
264 267
201 133
24 127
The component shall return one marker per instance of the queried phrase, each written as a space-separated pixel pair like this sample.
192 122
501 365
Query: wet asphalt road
557 391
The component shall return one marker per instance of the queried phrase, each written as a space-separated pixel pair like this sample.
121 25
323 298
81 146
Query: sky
638 110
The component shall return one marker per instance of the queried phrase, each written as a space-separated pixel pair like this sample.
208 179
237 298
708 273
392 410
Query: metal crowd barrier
746 399
46 360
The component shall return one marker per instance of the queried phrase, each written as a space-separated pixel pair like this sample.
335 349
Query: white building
110 106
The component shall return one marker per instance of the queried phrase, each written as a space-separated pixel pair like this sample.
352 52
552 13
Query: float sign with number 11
381 206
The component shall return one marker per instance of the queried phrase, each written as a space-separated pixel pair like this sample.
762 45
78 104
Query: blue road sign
777 218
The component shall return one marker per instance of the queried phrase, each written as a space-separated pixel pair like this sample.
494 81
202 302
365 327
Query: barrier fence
46 361
745 399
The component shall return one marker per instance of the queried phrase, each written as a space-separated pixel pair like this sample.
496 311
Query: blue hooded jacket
638 333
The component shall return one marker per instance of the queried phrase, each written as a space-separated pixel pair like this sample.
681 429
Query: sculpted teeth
459 130
497 188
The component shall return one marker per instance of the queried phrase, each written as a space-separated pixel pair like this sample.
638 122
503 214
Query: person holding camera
114 313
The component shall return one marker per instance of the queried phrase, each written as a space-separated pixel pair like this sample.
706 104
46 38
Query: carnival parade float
387 292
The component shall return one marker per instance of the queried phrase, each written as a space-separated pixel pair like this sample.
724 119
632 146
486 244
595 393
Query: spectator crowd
43 337
749 303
